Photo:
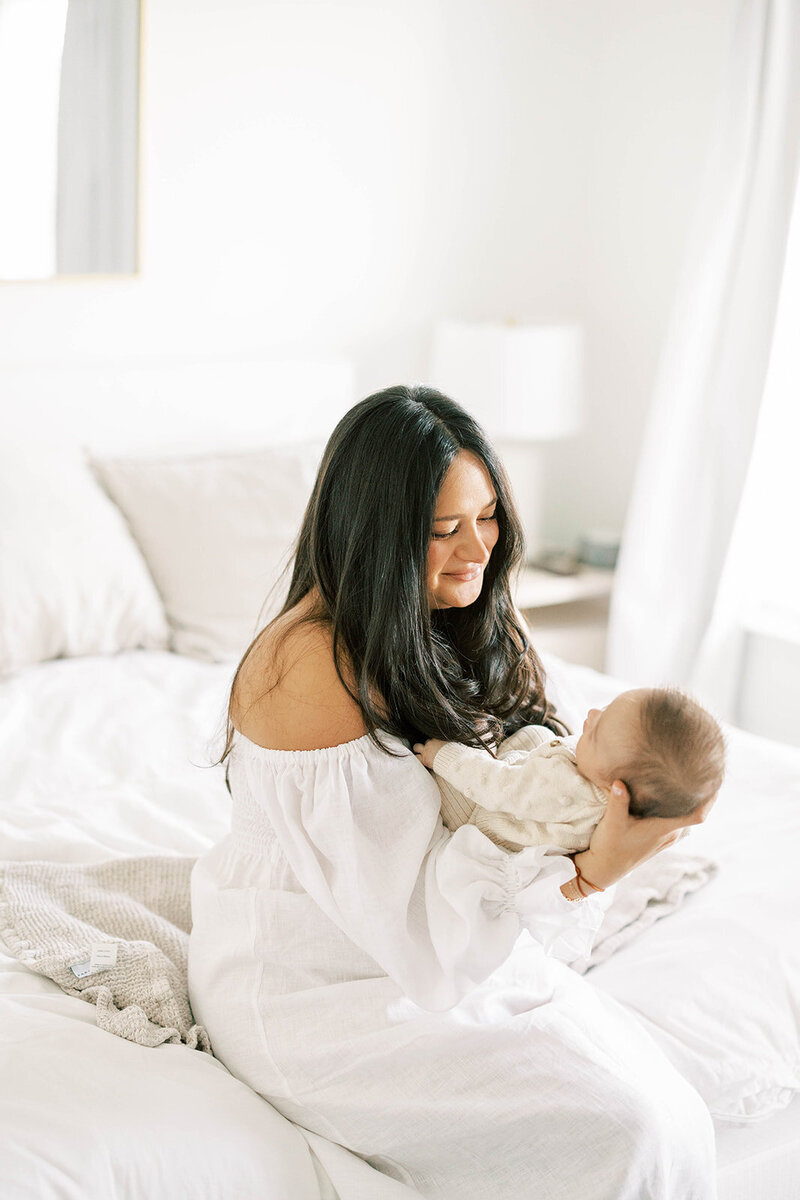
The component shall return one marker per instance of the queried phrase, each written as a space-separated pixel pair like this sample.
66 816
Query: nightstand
567 614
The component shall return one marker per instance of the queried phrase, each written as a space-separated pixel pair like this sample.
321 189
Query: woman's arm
437 912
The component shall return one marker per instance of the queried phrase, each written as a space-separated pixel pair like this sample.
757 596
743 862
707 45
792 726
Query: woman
388 985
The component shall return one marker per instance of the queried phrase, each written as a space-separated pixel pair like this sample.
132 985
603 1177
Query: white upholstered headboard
173 404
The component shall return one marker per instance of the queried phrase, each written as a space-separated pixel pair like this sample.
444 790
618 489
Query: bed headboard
174 404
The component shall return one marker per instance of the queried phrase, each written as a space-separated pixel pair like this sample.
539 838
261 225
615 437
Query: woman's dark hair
457 673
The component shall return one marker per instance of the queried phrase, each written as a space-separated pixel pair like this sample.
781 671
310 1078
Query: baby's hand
426 751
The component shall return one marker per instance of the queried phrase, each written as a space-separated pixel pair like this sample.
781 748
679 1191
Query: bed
116 654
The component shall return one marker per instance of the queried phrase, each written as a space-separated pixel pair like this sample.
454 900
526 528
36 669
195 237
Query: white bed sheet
102 757
97 757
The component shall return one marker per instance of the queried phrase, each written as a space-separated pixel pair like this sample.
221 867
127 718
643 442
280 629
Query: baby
546 790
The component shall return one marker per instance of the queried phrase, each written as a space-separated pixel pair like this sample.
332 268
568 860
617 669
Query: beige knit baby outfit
532 794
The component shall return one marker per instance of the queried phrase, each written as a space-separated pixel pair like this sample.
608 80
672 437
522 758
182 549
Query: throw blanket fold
53 914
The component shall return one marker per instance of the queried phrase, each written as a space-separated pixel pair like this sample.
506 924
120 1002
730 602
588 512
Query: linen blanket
116 933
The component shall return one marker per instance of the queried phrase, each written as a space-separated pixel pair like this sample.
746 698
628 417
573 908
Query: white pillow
72 581
216 532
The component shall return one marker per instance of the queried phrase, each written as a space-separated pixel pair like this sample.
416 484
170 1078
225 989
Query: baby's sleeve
537 785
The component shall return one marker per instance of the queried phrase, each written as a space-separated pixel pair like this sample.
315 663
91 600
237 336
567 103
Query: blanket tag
103 955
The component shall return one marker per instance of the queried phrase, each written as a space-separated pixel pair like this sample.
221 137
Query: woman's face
464 533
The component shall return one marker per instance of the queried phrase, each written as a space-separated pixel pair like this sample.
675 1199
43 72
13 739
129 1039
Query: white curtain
759 592
699 438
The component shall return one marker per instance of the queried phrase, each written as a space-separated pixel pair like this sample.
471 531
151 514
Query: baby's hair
679 762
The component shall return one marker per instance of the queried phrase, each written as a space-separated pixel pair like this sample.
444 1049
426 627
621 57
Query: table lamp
524 385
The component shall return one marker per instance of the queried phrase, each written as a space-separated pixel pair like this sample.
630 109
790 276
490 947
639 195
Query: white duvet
108 756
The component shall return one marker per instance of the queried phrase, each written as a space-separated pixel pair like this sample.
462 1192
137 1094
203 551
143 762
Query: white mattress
102 757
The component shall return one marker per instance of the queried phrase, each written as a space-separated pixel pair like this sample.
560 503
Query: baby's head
665 747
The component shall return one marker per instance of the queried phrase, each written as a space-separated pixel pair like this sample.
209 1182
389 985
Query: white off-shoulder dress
403 991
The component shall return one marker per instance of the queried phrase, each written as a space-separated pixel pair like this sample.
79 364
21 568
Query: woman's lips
465 576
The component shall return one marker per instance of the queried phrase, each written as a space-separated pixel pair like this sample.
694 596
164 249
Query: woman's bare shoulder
288 696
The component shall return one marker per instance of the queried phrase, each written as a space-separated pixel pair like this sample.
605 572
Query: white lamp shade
521 382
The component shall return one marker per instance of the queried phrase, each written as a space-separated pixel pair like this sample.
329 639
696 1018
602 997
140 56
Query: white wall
652 88
330 177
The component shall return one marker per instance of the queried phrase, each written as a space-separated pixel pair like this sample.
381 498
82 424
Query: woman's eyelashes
450 532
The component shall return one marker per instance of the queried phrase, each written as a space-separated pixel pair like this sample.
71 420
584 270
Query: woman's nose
471 547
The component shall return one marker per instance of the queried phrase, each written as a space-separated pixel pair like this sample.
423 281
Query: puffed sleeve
437 911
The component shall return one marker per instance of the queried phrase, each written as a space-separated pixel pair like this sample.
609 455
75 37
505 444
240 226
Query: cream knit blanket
66 921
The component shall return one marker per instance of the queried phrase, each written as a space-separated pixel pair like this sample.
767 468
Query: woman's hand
621 842
426 751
